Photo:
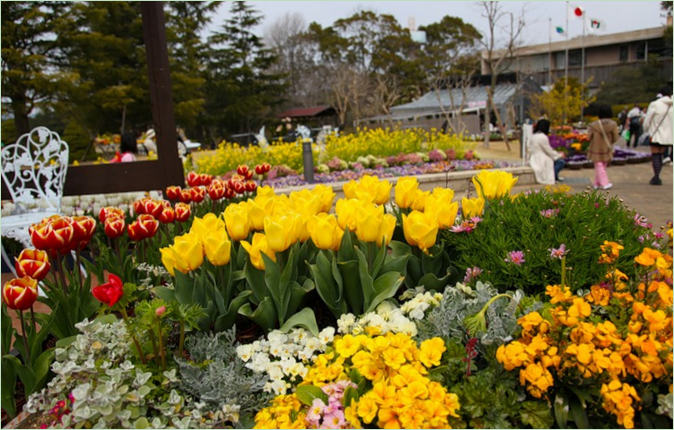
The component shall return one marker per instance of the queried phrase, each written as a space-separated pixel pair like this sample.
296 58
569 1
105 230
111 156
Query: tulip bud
167 216
139 207
183 212
83 229
114 227
193 179
197 194
173 193
110 292
229 193
160 311
108 212
205 179
216 190
185 196
239 187
257 248
251 186
242 170
20 293
32 263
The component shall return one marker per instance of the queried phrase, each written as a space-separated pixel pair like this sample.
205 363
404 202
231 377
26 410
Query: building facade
591 56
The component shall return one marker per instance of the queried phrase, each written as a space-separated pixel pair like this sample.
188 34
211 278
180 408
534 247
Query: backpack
634 121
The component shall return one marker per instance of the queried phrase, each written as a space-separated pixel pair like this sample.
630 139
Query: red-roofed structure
308 112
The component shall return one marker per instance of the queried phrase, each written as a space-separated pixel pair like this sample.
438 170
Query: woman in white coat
546 162
658 123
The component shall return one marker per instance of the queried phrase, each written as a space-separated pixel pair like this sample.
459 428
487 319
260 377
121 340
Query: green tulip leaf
385 287
166 294
264 315
352 289
308 393
304 318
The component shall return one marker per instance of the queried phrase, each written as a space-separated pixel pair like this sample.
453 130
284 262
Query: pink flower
515 257
558 253
471 274
160 311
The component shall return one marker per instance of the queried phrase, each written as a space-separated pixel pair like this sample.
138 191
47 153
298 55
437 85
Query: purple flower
641 221
471 274
558 253
515 257
549 213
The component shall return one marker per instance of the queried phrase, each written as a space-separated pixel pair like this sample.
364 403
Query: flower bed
393 307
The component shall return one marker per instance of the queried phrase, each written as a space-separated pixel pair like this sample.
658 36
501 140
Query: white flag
595 24
576 11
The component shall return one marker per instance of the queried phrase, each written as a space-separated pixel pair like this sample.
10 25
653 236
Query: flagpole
582 70
566 61
550 54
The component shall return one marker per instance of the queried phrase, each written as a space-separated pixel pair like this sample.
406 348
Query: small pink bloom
160 311
515 257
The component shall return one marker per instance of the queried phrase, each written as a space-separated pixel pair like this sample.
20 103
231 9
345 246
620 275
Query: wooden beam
142 175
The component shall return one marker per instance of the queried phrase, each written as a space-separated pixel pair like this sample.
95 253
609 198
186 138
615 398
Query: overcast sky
618 16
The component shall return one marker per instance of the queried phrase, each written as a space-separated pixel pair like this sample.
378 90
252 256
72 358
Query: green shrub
582 222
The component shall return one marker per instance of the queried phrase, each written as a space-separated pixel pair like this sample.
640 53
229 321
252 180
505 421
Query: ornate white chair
34 170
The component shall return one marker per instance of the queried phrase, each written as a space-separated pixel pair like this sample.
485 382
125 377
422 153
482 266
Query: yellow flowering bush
376 142
380 380
616 337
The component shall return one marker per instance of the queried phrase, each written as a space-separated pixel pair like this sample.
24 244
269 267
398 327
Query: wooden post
161 96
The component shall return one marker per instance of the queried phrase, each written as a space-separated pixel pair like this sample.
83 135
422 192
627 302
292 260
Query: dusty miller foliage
460 301
216 376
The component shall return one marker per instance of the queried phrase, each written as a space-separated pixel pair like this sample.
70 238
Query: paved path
630 183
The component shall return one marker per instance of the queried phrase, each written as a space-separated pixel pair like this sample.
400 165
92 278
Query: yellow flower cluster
230 155
284 413
384 142
402 396
207 238
575 342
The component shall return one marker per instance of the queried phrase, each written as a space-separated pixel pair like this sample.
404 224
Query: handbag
645 139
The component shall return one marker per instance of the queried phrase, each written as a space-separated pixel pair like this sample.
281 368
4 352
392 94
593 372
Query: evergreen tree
28 43
241 93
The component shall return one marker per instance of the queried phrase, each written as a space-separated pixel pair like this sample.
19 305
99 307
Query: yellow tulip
345 209
386 228
368 222
472 207
265 191
327 196
325 232
306 203
494 184
168 258
420 229
236 221
188 254
444 208
259 246
218 248
443 193
406 191
282 230
203 227
419 203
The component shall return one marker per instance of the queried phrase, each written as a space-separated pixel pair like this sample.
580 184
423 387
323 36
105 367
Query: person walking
545 161
602 133
634 117
658 124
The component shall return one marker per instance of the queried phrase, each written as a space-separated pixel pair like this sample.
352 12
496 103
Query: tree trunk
20 115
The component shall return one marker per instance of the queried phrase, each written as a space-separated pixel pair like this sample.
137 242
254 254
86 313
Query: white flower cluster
92 204
284 357
387 317
416 308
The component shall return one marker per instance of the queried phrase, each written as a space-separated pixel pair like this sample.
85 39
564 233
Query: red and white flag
596 24
576 11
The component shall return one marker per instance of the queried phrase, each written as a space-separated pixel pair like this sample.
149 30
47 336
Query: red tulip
205 179
185 196
263 168
239 187
114 227
229 193
153 207
193 179
83 229
216 190
183 212
242 170
20 293
251 186
173 193
144 227
198 194
53 233
110 211
32 263
110 292
167 216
